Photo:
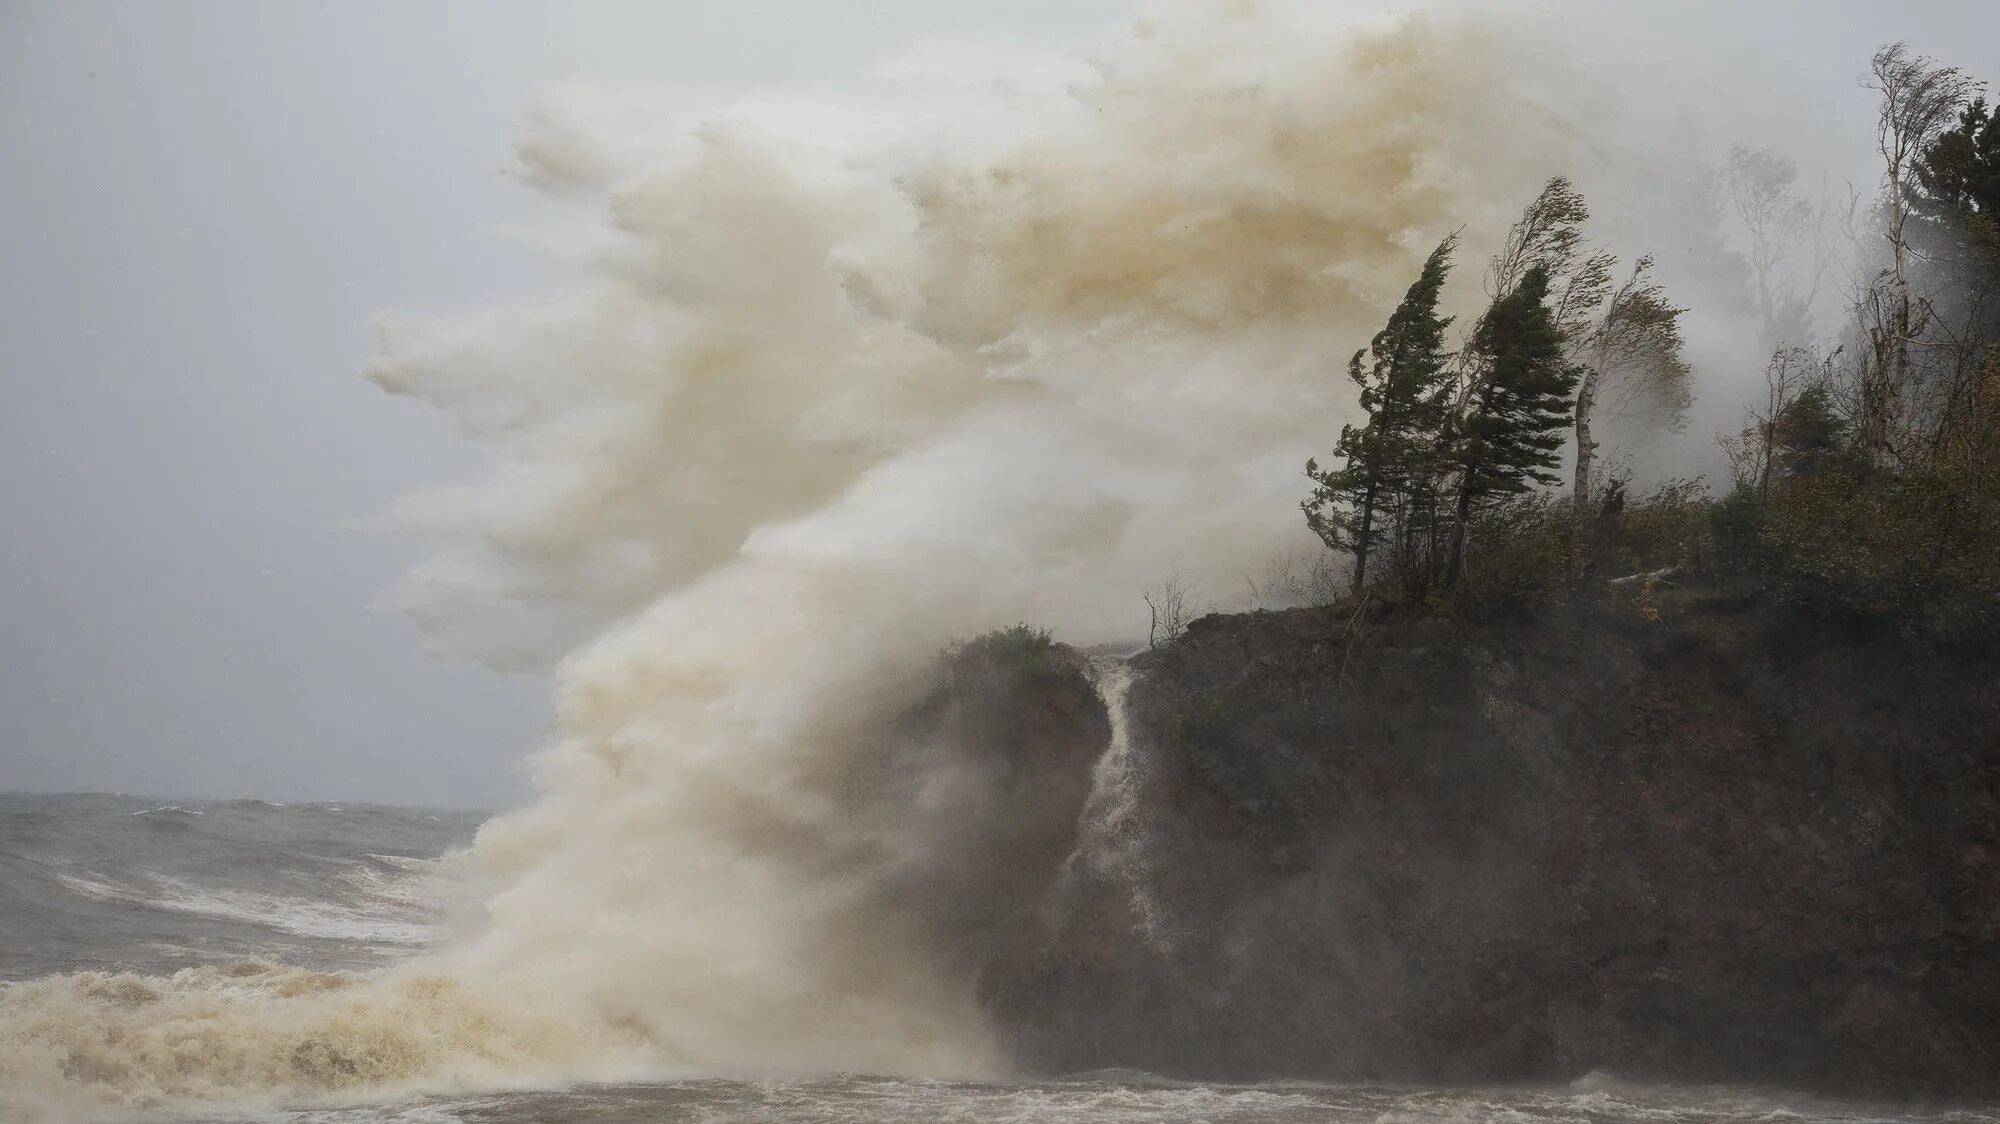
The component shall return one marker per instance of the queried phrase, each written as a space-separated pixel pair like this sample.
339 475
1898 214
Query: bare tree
1753 452
1297 578
1782 228
1635 347
1920 99
1171 607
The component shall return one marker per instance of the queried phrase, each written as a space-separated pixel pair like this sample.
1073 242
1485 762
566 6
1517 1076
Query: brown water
128 891
1118 1099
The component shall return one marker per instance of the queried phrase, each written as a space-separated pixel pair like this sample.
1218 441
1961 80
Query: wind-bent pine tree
1404 394
1511 432
1549 234
1628 334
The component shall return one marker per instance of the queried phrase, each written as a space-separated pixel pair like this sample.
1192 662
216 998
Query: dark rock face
1682 838
975 792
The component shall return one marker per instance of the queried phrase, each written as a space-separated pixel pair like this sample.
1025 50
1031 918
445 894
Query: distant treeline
1866 481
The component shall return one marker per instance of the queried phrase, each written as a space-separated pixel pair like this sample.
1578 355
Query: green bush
1875 547
1020 650
1669 526
1736 524
1517 553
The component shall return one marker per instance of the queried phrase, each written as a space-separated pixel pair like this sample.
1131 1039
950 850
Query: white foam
399 921
303 917
845 381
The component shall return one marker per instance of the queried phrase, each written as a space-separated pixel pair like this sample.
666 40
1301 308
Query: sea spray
843 396
839 388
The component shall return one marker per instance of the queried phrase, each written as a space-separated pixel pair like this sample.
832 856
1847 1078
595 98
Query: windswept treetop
1512 436
1959 174
1405 393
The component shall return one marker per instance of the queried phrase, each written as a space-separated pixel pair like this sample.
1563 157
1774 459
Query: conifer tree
1510 432
1958 176
1403 393
1920 99
1957 197
1625 338
1806 435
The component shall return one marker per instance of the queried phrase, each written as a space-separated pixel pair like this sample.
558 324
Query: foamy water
1135 1098
104 881
318 1021
839 379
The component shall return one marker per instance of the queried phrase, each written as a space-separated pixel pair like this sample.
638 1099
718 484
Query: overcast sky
202 205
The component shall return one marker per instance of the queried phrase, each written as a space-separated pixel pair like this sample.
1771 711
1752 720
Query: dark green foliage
1913 546
1807 436
1887 547
1530 545
1020 650
1669 526
1511 433
1916 545
1956 198
1959 175
1404 395
1867 488
1735 524
1524 555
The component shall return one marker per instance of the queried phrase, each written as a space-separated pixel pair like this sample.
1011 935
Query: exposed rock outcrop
1676 835
976 791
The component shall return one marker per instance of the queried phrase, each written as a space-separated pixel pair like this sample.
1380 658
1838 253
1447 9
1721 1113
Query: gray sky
204 205
201 207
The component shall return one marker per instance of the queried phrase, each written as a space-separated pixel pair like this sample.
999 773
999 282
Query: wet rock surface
1676 835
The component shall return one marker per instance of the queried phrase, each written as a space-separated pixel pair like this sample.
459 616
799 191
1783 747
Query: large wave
845 379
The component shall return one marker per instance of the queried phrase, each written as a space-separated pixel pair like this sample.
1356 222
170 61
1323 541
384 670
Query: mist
210 207
932 331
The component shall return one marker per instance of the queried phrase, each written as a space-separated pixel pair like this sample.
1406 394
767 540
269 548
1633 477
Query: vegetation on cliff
1866 484
1673 783
1682 834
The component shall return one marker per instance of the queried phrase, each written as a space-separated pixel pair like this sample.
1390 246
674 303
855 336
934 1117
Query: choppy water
97 882
1125 1099
113 882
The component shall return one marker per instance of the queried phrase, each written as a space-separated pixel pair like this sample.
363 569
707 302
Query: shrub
1736 524
1875 547
1518 552
1020 650
1668 526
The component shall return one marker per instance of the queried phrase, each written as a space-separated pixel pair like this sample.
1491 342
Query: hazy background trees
1864 482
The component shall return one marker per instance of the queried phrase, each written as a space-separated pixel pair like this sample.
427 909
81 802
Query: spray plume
845 382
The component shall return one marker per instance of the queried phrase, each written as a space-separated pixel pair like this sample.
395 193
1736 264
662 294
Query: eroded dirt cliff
1676 835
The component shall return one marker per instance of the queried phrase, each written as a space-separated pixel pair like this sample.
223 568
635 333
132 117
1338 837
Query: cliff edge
1673 834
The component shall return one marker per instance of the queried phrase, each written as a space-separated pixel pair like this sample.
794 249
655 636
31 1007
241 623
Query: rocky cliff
1673 834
